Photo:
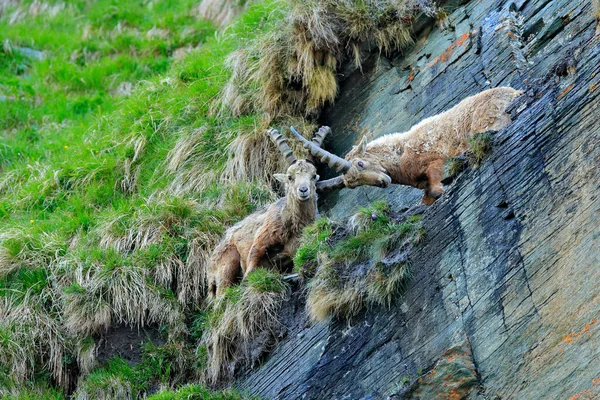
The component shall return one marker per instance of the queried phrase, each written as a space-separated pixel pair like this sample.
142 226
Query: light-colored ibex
274 229
416 158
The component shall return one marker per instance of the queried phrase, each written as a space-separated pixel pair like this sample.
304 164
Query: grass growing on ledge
313 241
454 166
478 147
292 69
353 271
241 324
197 392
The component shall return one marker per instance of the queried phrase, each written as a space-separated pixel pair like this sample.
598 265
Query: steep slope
504 302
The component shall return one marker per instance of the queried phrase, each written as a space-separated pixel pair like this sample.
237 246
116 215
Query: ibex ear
362 146
281 177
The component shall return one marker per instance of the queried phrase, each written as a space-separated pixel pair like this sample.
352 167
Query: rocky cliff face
505 299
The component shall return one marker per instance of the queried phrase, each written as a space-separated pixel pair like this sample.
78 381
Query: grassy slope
117 170
88 155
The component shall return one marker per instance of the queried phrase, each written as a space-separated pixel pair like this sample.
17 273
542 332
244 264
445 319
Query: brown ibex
278 226
416 158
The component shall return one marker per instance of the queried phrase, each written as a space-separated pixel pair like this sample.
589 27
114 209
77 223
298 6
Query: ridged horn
335 162
319 137
281 143
330 184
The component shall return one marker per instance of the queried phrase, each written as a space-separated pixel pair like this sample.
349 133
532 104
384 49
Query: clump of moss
355 270
241 324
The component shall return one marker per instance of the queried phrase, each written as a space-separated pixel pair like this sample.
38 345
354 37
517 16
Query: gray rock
505 299
32 54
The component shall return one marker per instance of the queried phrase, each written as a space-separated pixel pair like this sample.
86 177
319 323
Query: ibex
416 158
277 227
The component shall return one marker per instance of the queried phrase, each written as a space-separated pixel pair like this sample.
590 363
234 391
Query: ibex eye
290 177
361 164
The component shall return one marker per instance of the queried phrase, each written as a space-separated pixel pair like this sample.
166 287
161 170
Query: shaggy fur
416 158
276 227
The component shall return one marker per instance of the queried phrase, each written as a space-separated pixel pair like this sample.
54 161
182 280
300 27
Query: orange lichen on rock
593 87
447 54
411 76
585 395
453 377
572 336
567 90
588 394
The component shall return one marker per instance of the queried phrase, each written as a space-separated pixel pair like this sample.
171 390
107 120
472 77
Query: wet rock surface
505 298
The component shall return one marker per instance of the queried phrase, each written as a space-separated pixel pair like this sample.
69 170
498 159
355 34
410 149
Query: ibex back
416 158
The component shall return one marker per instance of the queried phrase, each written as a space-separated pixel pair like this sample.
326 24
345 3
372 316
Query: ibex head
301 176
358 169
300 180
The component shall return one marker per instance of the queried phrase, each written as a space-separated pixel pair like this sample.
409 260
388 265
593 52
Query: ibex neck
297 214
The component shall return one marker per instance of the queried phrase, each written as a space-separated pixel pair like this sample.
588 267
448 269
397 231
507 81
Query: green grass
478 147
454 166
247 312
111 195
197 392
313 241
265 281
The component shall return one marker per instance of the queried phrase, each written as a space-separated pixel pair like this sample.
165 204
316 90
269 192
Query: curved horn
338 163
330 184
281 143
319 137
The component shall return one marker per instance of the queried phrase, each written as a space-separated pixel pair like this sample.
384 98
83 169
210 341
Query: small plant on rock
241 324
478 148
356 269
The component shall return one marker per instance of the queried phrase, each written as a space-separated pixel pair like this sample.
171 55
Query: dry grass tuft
292 70
86 355
114 291
191 275
21 249
242 324
114 381
367 264
32 341
252 156
35 9
191 162
220 12
329 295
113 388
